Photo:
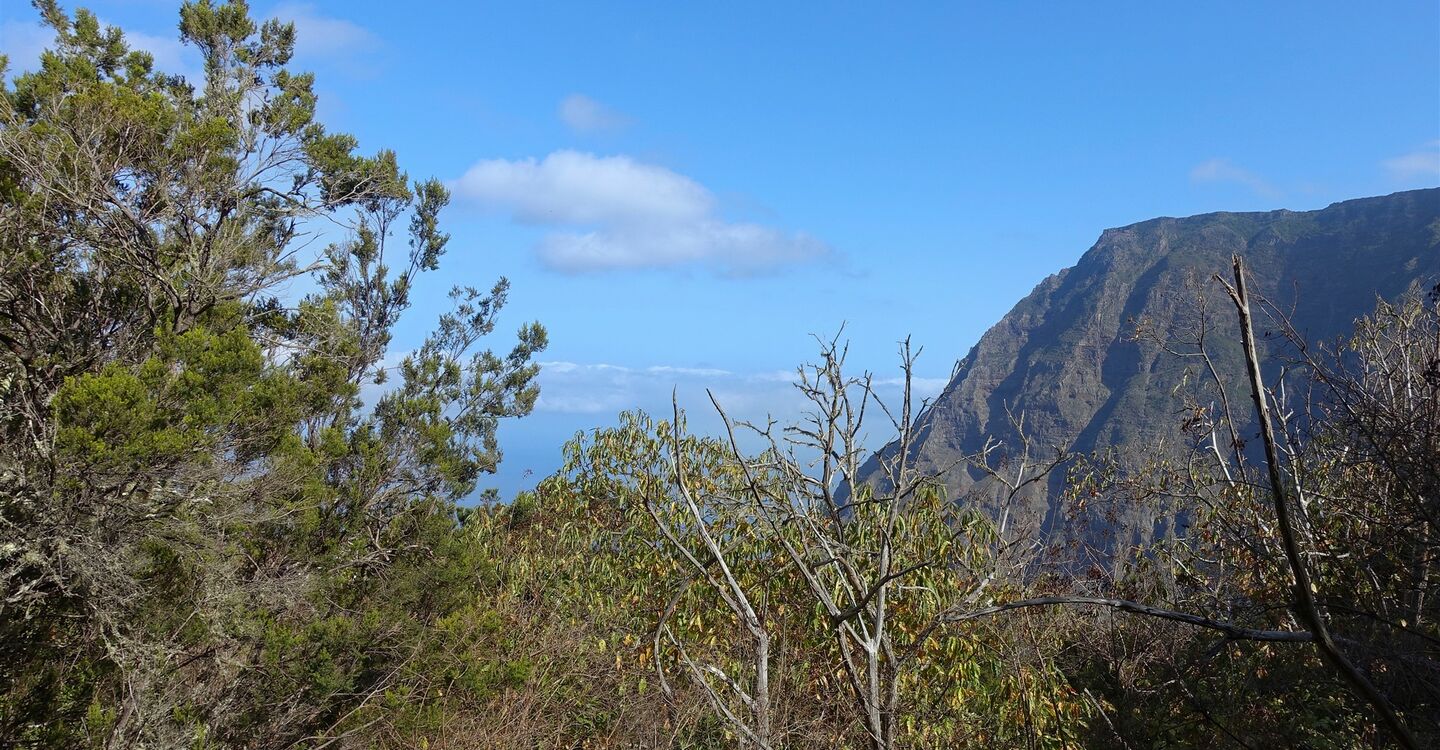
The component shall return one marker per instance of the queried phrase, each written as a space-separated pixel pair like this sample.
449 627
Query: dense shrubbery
208 540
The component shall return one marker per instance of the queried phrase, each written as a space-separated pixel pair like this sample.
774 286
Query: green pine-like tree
207 537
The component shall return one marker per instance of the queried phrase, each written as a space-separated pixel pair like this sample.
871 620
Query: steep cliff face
1067 358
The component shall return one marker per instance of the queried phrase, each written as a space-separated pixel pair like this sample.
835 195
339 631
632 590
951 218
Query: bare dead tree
710 563
871 557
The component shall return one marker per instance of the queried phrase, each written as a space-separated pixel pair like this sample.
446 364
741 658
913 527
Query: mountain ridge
1067 357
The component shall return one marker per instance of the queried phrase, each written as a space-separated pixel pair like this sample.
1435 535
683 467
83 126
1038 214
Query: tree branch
1304 588
1231 630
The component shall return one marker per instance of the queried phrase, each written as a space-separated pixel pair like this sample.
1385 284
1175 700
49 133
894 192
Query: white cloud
585 115
318 36
613 212
735 249
573 188
171 56
22 42
585 390
778 376
1223 170
920 388
1421 165
600 388
588 388
696 371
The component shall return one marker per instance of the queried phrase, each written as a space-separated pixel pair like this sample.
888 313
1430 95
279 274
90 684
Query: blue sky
684 194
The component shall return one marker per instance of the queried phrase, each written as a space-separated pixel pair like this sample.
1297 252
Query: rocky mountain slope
1068 360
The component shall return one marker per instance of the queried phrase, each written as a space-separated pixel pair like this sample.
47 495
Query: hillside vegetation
229 518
